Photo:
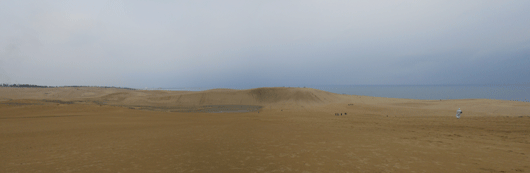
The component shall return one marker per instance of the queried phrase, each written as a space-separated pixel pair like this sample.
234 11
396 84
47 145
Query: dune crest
257 96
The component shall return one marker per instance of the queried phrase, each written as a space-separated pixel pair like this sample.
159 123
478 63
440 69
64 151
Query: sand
296 130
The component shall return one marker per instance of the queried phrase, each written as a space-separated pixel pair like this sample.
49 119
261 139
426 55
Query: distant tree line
25 86
41 86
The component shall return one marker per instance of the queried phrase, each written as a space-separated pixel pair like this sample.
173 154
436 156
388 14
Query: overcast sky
264 43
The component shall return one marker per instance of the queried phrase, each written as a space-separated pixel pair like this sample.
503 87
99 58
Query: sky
264 43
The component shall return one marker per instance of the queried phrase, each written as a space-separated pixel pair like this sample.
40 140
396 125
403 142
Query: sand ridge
124 97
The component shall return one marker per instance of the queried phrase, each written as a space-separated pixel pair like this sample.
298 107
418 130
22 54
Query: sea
512 92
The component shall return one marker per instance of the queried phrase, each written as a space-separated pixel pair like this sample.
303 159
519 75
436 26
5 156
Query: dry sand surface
296 130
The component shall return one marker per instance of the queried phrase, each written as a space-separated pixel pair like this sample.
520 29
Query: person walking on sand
458 112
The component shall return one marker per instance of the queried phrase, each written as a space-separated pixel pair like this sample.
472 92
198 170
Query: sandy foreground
296 130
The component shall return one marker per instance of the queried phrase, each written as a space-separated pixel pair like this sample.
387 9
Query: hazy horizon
166 44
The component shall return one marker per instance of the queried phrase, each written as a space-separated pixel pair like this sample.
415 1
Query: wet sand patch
205 109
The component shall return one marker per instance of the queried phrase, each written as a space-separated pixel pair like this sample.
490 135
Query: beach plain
90 129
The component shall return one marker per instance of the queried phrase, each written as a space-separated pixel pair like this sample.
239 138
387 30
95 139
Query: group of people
458 113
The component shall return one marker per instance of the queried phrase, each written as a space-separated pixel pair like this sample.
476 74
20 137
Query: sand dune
259 96
290 98
117 130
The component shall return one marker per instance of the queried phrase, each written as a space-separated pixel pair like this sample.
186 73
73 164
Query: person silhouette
458 112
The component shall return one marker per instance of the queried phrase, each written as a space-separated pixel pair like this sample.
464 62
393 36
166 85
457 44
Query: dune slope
258 96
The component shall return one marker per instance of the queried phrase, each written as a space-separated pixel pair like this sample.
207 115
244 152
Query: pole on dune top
458 112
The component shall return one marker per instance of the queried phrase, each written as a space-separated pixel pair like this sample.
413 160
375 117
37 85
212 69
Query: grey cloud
267 43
